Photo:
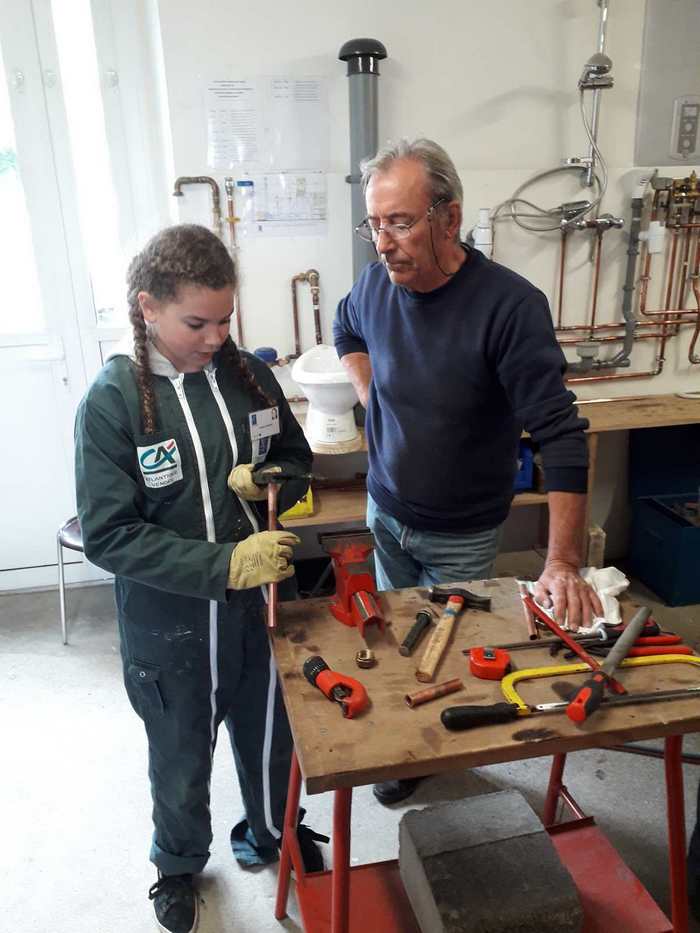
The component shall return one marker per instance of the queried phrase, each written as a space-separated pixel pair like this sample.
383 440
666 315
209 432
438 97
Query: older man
453 356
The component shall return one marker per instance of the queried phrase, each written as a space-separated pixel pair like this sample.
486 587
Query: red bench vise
355 601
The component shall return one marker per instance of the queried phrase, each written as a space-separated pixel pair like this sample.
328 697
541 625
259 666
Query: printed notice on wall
267 124
283 204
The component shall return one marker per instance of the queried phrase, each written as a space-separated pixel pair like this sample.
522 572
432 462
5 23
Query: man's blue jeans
405 556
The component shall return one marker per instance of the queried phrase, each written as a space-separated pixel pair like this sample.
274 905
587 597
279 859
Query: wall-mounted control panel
668 111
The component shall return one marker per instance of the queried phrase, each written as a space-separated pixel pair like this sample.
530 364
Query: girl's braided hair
187 254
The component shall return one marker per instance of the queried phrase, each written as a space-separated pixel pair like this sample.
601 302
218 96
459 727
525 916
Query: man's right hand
262 558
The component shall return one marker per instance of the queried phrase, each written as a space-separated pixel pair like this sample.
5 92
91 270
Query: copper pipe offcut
432 693
530 622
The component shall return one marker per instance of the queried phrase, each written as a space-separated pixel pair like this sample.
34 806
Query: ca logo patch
160 464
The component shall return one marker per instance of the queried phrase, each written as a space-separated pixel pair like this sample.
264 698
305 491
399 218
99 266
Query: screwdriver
458 718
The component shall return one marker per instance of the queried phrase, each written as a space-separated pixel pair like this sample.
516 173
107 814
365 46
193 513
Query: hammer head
440 594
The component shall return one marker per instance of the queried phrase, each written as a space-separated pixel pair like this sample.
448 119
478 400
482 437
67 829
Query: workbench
389 740
339 506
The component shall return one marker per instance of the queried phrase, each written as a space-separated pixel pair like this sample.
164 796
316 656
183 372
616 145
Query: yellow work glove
240 481
262 558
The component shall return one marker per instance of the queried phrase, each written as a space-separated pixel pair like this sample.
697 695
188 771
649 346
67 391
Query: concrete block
485 865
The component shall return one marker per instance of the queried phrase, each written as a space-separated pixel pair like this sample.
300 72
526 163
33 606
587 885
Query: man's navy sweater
457 374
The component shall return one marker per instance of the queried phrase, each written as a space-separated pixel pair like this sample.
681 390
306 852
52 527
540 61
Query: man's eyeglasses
367 231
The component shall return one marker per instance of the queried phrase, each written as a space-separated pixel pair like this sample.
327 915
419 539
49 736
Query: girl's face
189 329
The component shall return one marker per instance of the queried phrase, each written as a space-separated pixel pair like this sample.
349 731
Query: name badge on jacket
264 425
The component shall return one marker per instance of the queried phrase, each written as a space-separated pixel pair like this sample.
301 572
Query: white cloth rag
608 583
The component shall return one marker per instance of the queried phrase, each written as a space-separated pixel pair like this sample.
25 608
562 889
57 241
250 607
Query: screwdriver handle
457 718
588 699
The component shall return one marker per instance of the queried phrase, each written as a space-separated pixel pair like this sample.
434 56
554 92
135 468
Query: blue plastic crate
523 479
665 549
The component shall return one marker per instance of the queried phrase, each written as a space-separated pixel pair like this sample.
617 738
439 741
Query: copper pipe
677 312
610 378
683 269
272 490
231 221
692 357
573 341
295 313
688 283
215 200
619 325
432 693
562 256
314 280
596 280
532 630
312 277
671 270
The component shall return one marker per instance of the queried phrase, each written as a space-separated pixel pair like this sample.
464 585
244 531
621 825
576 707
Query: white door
42 371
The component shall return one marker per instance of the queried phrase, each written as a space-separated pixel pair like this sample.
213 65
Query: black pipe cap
362 55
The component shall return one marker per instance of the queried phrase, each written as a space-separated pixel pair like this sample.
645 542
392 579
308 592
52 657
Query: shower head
596 72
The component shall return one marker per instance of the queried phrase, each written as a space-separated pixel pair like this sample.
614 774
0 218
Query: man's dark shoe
310 853
394 791
175 903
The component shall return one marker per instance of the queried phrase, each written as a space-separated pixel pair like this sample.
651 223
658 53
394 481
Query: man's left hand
561 587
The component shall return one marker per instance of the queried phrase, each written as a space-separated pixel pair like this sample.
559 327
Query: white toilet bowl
330 420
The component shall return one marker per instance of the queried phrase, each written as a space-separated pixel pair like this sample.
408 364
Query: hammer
455 598
441 594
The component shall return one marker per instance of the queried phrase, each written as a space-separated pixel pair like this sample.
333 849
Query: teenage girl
167 438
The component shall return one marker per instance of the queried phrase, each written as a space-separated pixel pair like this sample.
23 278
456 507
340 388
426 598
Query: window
19 288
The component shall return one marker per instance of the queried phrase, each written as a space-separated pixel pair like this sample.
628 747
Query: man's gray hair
442 175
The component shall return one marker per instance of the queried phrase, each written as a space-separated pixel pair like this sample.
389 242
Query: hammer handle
438 640
271 525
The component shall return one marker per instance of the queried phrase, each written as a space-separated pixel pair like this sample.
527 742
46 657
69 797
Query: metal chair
69 536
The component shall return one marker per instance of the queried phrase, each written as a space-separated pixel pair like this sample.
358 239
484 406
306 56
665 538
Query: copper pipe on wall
562 257
231 221
314 285
671 270
596 280
295 315
692 357
617 326
599 225
611 377
313 278
688 284
683 269
618 338
215 199
695 282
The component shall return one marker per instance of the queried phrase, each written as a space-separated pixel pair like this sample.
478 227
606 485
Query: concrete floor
75 807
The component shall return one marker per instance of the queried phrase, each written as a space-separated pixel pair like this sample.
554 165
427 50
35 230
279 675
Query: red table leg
290 854
676 832
340 898
553 790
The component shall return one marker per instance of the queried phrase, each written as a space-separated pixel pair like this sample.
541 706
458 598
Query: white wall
494 83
